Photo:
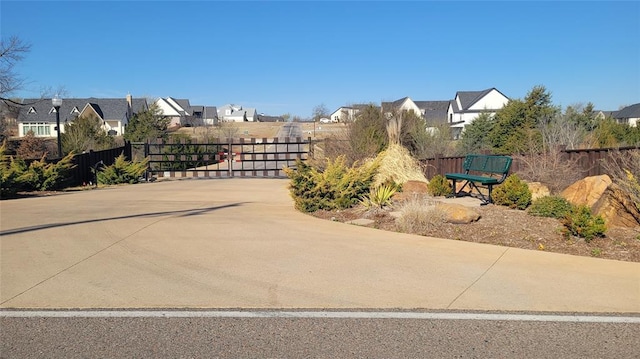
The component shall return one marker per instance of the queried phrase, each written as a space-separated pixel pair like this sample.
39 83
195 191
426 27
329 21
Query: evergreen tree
147 125
516 124
84 134
475 137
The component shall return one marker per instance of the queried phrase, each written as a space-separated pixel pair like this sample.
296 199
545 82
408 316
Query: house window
450 117
39 129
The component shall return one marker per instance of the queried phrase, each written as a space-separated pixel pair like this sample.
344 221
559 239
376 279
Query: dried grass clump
397 165
419 215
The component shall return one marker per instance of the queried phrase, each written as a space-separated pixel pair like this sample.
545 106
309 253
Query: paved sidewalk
238 243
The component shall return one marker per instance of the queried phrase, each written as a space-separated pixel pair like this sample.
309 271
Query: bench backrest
487 164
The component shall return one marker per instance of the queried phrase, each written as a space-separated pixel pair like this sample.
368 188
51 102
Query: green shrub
43 176
337 187
580 222
513 193
8 174
550 206
439 186
123 171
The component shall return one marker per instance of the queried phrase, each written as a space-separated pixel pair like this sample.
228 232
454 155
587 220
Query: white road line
312 315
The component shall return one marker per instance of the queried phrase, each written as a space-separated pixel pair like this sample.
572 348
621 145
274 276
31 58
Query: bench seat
476 165
479 179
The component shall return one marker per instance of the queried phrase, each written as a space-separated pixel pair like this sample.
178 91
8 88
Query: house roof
106 108
387 106
265 118
182 106
434 110
468 98
210 112
632 111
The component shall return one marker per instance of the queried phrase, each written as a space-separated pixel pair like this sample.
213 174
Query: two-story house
468 105
178 111
39 115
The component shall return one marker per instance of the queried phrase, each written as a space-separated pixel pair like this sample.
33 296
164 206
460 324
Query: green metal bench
484 170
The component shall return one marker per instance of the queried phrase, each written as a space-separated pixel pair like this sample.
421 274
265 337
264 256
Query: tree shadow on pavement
180 213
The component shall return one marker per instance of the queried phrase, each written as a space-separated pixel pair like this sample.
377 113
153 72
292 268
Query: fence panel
589 162
238 157
83 174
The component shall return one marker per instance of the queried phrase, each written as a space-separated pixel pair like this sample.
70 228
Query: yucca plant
380 196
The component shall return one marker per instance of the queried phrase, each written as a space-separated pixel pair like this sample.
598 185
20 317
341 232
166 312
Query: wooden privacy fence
589 162
83 174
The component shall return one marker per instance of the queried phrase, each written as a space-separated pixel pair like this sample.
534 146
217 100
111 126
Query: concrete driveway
238 243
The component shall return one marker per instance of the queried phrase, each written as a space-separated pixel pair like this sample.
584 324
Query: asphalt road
304 337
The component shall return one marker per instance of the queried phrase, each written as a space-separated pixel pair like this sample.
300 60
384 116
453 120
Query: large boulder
457 213
538 190
587 191
412 186
605 198
616 208
411 189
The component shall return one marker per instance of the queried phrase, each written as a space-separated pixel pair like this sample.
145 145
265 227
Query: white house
468 105
177 110
347 113
235 113
403 104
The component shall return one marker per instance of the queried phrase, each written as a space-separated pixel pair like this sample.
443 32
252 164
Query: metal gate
238 157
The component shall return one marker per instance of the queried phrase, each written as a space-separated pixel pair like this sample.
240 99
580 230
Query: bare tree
12 51
319 112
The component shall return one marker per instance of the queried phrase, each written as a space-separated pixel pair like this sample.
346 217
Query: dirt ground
502 226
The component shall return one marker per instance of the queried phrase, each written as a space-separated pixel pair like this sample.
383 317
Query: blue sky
288 57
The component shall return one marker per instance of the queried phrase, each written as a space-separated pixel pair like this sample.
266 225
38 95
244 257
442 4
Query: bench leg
454 194
480 196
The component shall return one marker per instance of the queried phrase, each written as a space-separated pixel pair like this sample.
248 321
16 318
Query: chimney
129 105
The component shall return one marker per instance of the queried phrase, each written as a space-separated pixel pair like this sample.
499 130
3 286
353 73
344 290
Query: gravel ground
503 226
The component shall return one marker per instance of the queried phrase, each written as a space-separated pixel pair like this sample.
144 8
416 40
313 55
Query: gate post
230 156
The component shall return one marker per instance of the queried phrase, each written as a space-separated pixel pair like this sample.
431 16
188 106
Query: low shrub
123 171
582 223
338 186
8 174
550 206
42 176
439 186
513 193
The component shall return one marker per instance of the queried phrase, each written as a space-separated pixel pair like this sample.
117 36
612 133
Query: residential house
347 113
177 110
629 115
204 115
264 118
235 113
39 115
601 115
403 104
434 112
468 105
